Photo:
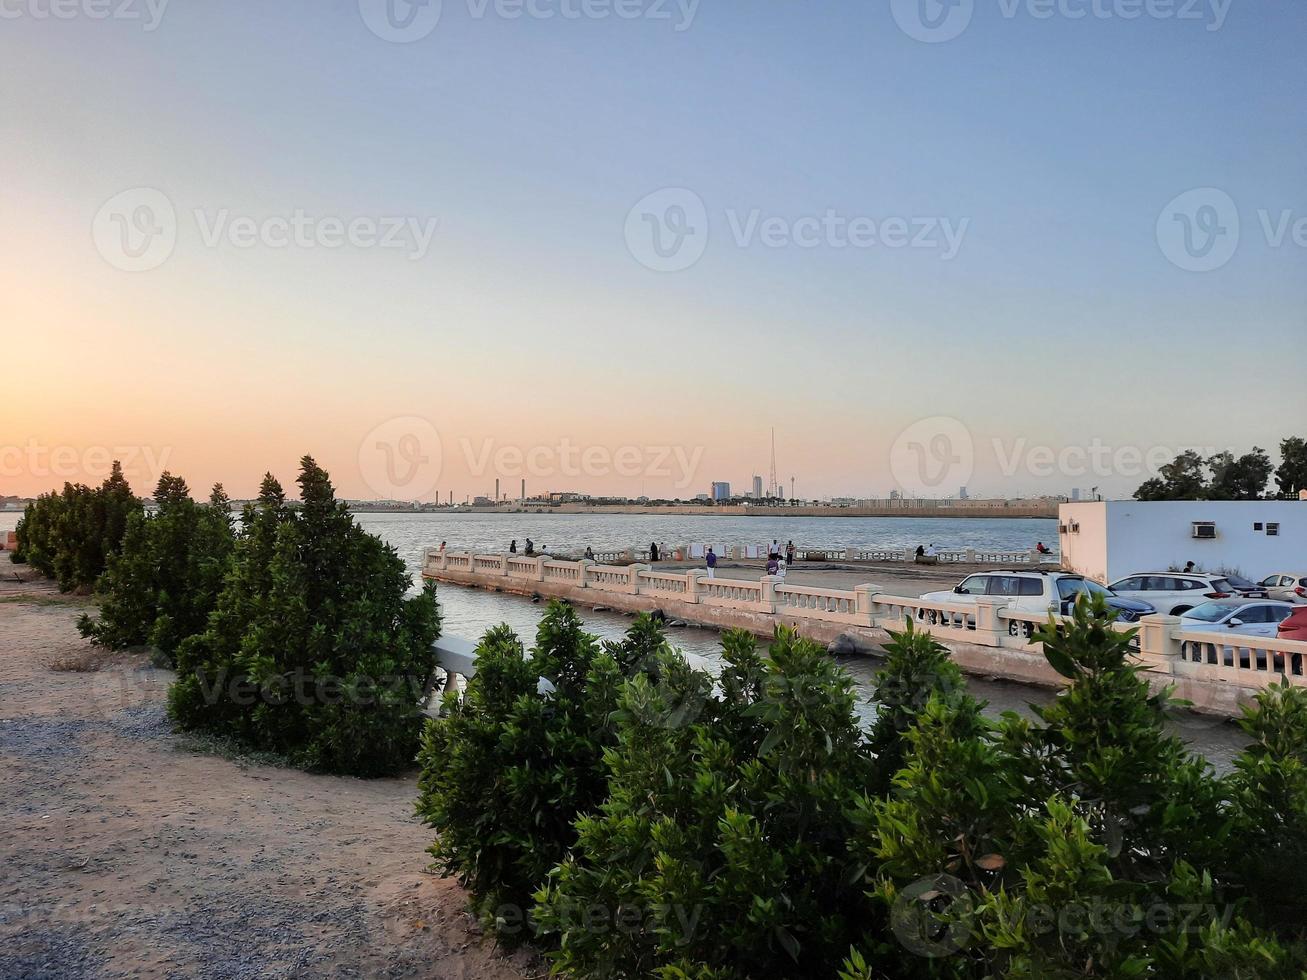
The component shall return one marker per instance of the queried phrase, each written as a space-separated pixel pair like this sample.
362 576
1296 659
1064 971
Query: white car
1286 586
1036 592
1174 593
1256 617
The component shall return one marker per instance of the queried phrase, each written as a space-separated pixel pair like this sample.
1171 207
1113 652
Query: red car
1295 627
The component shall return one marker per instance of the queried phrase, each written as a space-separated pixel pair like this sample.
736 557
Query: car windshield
1222 585
1069 587
1208 612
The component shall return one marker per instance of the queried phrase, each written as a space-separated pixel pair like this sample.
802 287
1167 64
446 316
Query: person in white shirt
932 552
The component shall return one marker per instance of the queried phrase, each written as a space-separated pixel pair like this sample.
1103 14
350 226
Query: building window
1257 525
1273 530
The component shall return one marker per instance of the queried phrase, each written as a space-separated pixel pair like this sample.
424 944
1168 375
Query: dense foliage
313 649
1223 476
69 536
161 585
746 826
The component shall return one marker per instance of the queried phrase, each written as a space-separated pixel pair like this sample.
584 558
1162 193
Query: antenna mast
773 488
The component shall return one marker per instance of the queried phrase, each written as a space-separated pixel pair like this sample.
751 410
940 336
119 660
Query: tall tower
773 488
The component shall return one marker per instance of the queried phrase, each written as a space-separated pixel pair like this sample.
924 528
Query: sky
609 245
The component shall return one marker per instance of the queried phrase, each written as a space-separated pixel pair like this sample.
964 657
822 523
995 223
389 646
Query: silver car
1246 617
1286 586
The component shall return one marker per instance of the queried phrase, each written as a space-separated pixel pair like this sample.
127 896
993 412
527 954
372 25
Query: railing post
692 588
540 569
769 593
990 629
1158 648
583 573
865 602
633 584
850 554
971 556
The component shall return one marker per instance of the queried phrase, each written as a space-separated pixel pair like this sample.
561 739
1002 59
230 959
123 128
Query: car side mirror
1235 622
957 589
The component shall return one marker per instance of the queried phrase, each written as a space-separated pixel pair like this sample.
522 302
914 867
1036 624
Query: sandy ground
126 853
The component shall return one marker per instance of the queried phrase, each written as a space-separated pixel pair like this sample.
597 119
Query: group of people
530 547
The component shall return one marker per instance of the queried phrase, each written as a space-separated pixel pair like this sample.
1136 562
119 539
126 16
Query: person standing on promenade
773 565
710 560
775 550
512 547
789 553
653 551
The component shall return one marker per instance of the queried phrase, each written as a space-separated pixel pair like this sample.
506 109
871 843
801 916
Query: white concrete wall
1118 537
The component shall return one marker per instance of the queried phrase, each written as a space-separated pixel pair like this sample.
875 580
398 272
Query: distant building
962 493
1075 495
721 491
481 501
757 488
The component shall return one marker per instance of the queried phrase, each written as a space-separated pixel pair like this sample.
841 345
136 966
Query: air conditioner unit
1204 529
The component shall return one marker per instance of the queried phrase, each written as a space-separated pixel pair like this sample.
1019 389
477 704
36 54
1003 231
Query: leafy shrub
721 847
507 769
69 536
161 585
750 829
313 650
1070 847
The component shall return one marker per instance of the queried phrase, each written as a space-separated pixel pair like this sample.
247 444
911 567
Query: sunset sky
1054 150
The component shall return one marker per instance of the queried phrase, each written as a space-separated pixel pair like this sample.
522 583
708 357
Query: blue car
1129 610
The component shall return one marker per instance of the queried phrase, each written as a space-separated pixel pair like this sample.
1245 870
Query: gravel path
125 854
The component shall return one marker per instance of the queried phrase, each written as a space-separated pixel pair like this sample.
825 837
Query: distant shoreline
1023 512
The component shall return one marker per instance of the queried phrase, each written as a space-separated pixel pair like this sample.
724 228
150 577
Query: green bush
313 649
721 848
163 582
748 827
69 536
507 769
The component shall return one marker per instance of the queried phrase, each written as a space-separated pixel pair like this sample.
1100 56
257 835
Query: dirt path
127 854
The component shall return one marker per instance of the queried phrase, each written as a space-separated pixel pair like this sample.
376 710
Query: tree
507 769
1244 478
314 649
1291 476
69 536
161 586
1181 479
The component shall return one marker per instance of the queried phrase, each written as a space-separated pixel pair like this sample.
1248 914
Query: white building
1109 539
757 488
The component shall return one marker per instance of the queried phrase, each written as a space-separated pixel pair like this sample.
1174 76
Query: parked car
1247 589
1247 617
1039 592
1174 593
1286 586
1295 626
